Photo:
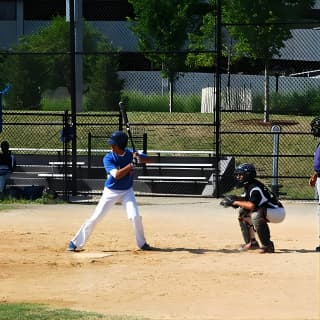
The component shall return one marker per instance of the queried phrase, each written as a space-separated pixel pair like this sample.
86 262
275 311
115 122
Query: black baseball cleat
267 249
252 245
146 247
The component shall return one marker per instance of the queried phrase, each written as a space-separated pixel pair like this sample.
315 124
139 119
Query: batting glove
136 161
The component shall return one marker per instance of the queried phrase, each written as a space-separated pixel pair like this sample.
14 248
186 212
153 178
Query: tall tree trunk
266 94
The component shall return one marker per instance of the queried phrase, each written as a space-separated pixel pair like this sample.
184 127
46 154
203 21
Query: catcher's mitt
228 201
313 180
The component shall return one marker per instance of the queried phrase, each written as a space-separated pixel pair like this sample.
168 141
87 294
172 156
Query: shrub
297 103
138 101
104 84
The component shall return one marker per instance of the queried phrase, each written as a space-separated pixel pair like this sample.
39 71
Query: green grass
7 206
50 104
11 203
40 312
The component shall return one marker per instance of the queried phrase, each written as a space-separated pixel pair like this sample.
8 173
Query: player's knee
260 215
243 213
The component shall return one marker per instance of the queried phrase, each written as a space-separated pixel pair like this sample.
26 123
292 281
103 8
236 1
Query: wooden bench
160 166
61 163
173 178
162 175
188 152
179 165
53 175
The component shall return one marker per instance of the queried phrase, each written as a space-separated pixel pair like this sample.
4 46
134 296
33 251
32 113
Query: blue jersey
316 160
113 161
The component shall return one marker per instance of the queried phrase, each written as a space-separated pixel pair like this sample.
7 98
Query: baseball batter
118 163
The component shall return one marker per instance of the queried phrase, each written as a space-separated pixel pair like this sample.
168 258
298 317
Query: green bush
25 91
104 84
51 104
138 101
257 103
297 103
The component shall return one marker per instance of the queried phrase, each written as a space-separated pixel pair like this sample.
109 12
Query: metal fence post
89 149
65 155
275 159
217 96
73 84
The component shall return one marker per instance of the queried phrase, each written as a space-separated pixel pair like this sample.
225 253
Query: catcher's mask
244 174
315 127
119 139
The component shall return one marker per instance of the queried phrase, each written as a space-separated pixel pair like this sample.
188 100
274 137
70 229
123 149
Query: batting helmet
315 126
119 139
247 171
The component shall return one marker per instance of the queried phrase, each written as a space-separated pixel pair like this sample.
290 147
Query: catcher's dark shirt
260 195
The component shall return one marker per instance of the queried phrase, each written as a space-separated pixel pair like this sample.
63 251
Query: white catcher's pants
276 215
108 199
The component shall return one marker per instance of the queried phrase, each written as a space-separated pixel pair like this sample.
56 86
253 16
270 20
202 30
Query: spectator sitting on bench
7 164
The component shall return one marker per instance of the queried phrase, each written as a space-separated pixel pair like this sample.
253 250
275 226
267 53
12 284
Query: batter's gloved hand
228 201
136 161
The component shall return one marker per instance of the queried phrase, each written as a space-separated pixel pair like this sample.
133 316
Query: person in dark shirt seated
7 164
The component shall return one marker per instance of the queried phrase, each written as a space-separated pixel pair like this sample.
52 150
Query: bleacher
170 173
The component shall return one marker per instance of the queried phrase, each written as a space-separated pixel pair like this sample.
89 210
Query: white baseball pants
318 189
108 199
276 215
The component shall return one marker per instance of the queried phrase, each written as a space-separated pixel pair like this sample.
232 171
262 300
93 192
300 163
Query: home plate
91 255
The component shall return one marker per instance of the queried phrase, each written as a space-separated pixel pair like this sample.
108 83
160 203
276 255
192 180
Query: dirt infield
196 272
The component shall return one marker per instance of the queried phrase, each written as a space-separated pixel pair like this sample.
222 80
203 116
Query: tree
104 84
54 42
41 61
259 29
203 39
162 29
19 71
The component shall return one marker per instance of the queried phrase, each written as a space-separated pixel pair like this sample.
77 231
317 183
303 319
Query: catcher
258 207
314 180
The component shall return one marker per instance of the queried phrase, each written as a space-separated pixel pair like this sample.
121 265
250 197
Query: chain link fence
181 117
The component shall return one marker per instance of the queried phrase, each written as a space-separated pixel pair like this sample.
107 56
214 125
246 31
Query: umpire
258 207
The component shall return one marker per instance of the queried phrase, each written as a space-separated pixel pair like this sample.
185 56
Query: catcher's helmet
118 138
247 171
315 126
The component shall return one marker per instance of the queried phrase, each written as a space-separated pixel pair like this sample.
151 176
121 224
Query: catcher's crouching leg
246 227
260 223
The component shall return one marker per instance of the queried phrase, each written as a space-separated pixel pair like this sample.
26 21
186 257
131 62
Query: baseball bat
127 124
